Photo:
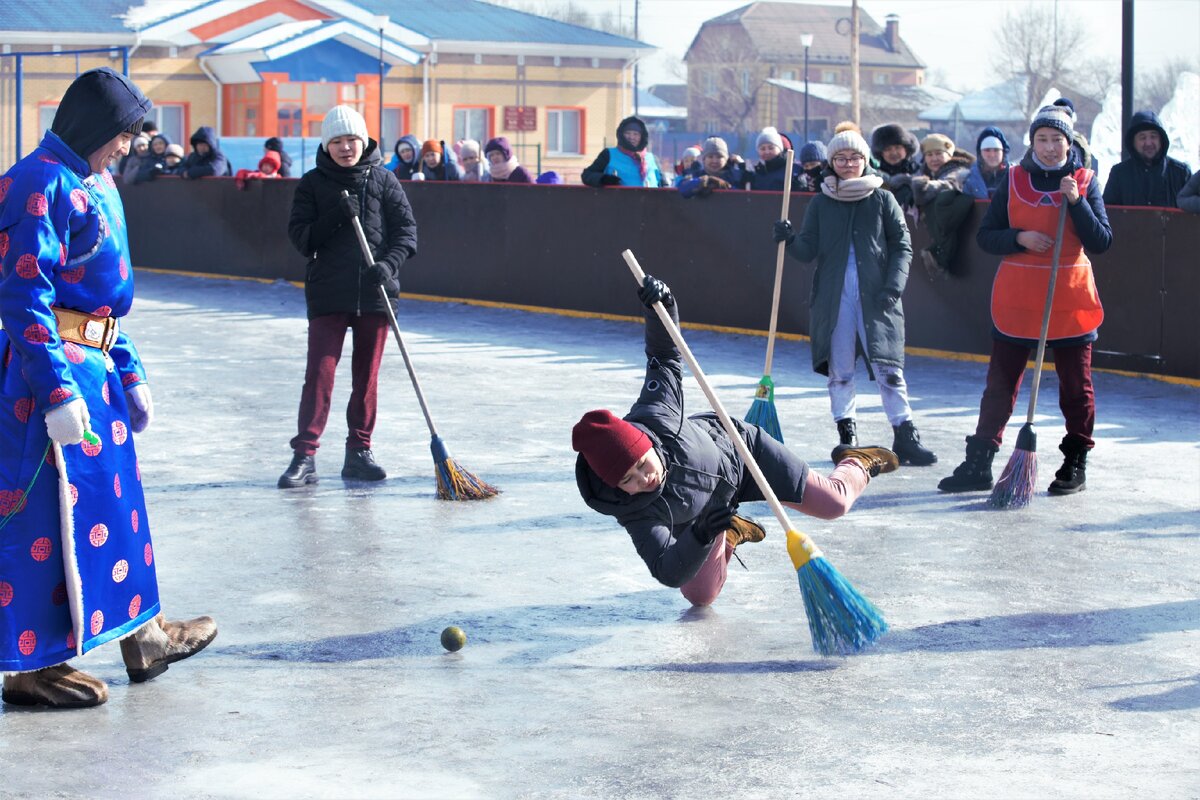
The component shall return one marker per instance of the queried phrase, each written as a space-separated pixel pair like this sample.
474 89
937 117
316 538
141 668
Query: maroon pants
1076 397
326 335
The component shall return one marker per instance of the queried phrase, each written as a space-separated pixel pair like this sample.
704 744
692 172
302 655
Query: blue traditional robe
76 561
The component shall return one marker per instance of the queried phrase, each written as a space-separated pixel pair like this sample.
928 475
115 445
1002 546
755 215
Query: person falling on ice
674 482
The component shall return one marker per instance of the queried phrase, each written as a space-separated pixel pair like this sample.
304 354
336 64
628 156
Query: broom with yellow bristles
762 411
840 619
453 482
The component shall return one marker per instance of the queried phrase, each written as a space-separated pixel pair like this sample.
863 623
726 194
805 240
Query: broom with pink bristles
1014 489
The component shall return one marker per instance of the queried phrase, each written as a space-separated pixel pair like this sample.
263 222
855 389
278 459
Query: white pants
842 353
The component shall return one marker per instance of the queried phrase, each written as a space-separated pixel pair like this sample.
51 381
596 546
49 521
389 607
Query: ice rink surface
1051 652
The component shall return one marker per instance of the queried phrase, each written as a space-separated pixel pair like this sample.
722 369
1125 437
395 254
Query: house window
881 78
46 112
171 119
300 108
564 131
712 127
708 83
245 107
395 125
746 82
788 74
473 122
830 75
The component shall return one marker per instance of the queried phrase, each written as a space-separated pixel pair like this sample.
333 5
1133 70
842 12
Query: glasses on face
846 161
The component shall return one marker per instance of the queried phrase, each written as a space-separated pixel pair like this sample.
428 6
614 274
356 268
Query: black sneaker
301 472
360 466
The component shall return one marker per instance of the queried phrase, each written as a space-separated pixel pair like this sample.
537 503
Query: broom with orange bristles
1014 489
840 620
453 482
762 411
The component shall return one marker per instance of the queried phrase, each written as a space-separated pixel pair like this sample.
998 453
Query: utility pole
635 63
855 110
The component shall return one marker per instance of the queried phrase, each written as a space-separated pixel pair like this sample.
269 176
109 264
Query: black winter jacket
1133 182
212 163
334 280
703 469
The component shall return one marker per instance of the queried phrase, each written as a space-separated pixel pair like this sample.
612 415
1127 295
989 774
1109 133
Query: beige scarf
851 190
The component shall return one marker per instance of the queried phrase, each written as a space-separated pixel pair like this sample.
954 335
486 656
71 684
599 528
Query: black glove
712 523
655 291
784 232
610 180
349 206
888 299
379 274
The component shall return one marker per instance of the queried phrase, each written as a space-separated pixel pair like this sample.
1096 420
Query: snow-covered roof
995 104
653 107
893 97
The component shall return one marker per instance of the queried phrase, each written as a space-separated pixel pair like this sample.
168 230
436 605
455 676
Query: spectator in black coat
768 173
341 290
285 161
1189 195
1149 177
206 158
896 151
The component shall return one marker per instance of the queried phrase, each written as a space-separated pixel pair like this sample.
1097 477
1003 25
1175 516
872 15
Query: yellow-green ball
453 638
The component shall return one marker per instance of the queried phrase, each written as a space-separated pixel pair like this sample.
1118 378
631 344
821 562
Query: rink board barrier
559 247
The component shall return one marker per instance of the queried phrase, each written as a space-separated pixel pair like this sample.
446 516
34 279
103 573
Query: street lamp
806 39
381 22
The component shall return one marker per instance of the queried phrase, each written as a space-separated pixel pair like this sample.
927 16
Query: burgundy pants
326 335
1076 397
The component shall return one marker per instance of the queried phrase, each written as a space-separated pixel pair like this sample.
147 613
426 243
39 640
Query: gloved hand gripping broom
453 482
840 619
762 411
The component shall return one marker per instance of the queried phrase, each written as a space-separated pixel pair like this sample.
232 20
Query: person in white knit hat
855 231
341 290
768 174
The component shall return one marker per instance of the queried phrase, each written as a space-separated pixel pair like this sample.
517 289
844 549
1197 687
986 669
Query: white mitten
67 423
141 407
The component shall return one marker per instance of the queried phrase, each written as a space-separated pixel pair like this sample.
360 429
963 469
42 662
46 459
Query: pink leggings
824 498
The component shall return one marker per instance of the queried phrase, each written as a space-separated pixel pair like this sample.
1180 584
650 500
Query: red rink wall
560 247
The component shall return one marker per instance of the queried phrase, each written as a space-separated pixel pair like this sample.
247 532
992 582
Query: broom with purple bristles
1014 489
453 482
840 620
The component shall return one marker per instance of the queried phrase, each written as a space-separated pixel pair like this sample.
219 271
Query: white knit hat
343 121
848 140
770 134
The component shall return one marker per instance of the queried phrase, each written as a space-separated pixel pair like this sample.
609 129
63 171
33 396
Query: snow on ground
1047 652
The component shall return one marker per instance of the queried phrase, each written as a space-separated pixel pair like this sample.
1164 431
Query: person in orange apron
1020 225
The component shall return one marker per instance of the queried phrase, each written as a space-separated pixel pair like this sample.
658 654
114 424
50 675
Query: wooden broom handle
726 422
787 197
1041 348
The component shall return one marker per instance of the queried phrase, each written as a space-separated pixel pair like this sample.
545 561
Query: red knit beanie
609 445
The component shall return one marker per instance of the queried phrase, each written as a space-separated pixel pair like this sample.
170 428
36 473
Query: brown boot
159 643
59 686
873 459
744 530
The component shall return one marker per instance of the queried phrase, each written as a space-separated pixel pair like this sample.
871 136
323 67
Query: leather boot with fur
873 459
744 530
847 435
1072 475
301 472
360 466
975 473
59 686
158 643
907 444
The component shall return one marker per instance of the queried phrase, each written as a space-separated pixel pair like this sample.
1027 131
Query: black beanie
96 107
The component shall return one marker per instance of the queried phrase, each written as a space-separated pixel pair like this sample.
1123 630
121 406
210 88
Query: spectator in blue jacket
630 163
991 164
1149 177
406 160
717 171
206 158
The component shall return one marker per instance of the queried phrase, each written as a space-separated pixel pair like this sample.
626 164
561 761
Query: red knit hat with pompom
610 445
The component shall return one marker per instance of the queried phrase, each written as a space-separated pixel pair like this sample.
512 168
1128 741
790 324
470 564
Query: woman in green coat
853 221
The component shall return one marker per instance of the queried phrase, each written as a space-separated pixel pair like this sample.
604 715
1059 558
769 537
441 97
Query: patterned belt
86 329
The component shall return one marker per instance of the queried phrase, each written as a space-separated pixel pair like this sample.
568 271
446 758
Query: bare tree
1154 88
574 13
725 79
1037 51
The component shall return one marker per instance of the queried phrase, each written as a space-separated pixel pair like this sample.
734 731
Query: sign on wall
520 118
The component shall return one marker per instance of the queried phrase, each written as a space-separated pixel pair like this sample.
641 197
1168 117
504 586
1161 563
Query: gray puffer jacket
883 252
703 469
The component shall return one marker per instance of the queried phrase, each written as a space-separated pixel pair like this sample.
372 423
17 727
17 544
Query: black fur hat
887 135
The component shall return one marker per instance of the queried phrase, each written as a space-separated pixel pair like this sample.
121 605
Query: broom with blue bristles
453 482
762 411
840 619
1014 489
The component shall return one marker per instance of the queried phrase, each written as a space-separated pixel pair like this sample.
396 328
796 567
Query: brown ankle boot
873 459
159 643
59 686
744 530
